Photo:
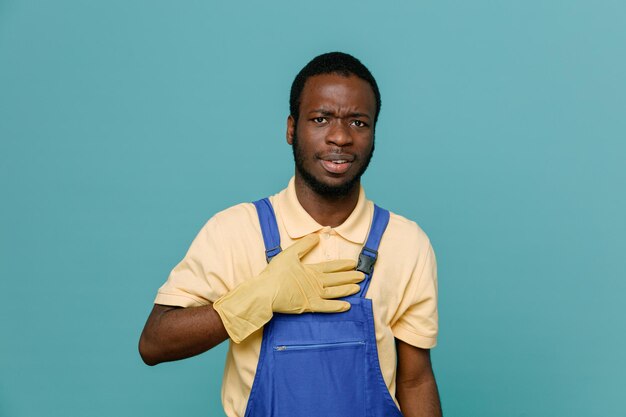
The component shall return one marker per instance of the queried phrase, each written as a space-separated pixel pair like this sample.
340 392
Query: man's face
333 140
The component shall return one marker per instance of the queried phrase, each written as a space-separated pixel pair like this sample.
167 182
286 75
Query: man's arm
284 286
173 333
416 389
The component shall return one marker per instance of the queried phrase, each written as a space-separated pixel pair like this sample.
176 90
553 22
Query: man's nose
339 134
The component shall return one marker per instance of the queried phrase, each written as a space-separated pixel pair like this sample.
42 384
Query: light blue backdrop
125 125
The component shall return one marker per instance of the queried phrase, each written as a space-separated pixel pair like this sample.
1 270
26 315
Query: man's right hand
287 285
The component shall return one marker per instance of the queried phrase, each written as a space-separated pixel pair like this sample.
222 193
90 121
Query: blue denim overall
321 364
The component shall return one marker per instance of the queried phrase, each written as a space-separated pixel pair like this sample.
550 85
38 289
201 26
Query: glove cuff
243 311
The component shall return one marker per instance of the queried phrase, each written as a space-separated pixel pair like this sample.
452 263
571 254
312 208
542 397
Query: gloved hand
287 285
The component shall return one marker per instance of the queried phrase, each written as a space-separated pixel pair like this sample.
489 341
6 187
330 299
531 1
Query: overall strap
369 253
367 257
269 228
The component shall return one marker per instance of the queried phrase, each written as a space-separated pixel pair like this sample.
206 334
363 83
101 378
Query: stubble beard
321 188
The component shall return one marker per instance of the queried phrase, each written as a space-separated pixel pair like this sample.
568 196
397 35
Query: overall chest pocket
320 379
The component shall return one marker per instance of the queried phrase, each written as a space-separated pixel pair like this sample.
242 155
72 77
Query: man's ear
291 128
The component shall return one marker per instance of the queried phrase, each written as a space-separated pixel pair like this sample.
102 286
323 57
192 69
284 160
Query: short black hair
331 63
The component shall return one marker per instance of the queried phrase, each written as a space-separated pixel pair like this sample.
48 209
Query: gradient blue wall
124 125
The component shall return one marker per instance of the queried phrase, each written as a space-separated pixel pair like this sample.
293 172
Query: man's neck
327 211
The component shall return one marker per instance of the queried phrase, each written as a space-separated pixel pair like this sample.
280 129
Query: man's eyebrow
326 112
359 115
323 112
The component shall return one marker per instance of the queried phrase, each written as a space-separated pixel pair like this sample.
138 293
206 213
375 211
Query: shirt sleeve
418 322
201 277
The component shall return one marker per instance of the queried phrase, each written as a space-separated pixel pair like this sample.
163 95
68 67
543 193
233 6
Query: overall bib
321 364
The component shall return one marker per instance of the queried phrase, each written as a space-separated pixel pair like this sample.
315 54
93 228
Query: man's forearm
419 399
173 333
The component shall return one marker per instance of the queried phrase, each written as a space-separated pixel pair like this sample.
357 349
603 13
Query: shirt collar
299 223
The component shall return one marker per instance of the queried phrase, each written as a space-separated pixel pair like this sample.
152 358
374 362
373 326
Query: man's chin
332 187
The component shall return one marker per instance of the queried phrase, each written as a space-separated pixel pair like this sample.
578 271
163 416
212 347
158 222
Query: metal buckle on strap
367 259
270 253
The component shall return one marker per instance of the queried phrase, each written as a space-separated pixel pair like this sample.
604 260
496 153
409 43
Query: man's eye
359 123
319 119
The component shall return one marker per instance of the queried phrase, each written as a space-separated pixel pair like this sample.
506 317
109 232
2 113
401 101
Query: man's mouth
337 164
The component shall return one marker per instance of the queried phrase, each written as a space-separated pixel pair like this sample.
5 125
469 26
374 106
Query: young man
310 335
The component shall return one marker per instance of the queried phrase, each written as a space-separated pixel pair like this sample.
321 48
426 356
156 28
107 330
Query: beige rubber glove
287 285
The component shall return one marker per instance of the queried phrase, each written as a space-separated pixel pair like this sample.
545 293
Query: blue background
125 125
